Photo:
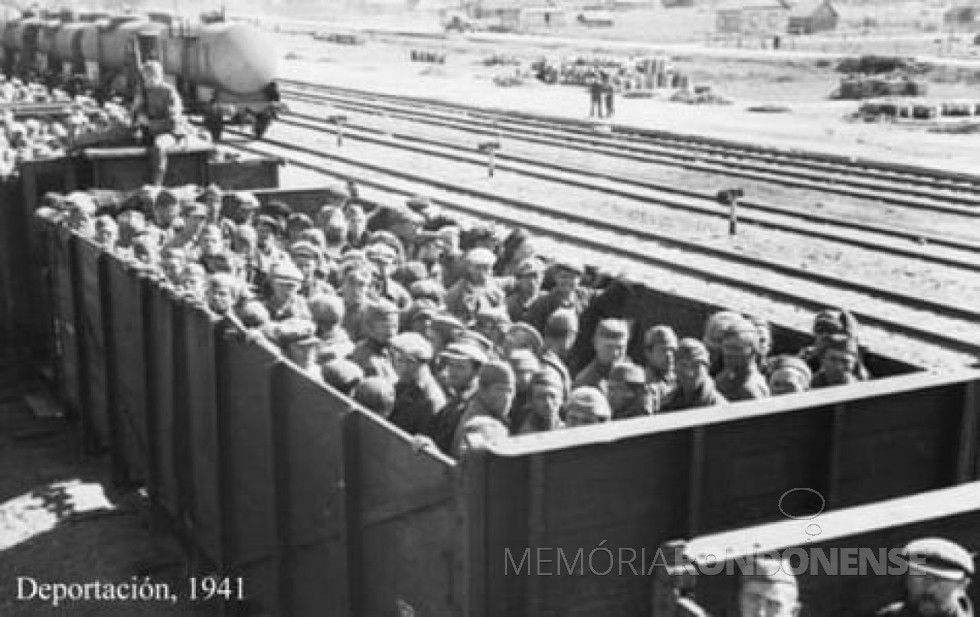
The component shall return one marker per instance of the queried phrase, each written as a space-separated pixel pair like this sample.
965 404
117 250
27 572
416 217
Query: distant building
811 16
671 4
756 17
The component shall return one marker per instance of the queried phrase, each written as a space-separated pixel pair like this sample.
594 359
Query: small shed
757 17
543 17
811 16
673 4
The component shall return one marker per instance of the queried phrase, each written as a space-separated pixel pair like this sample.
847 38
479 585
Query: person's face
736 355
430 252
566 281
165 214
354 290
609 350
930 594
193 282
785 382
284 289
106 236
546 401
460 373
838 366
690 373
620 395
306 265
265 234
194 223
220 299
529 284
479 273
522 377
499 397
759 599
172 267
211 244
661 357
405 366
384 329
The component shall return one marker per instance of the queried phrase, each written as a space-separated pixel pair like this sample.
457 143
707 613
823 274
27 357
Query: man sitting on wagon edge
158 111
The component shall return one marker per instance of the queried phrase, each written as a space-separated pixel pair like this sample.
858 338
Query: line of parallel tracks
940 325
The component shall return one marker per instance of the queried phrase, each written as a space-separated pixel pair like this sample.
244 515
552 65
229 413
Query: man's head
939 573
286 280
587 405
306 257
381 321
224 291
714 332
166 208
692 363
211 241
524 364
839 359
547 394
327 312
660 348
560 331
568 274
610 340
627 383
479 265
497 387
789 374
768 589
463 363
739 345
410 351
356 283
529 275
106 231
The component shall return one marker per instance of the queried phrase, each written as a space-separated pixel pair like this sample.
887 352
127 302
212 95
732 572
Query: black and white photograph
489 308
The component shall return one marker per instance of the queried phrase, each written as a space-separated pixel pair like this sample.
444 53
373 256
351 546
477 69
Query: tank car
224 71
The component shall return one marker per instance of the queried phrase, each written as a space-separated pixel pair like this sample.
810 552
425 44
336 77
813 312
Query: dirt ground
62 523
802 85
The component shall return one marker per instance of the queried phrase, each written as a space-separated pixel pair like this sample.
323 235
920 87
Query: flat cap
939 557
628 373
475 338
492 316
342 374
480 256
447 325
843 343
465 351
381 309
413 345
245 200
693 350
298 220
524 335
741 333
529 266
792 363
613 329
831 321
547 377
590 401
327 308
523 360
428 288
570 264
714 328
495 373
269 221
285 271
661 336
304 248
418 203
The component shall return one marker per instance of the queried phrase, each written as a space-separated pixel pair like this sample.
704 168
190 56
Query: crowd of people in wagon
452 330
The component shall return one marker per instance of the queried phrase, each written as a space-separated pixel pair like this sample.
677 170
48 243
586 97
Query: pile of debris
876 76
340 38
432 57
699 95
886 109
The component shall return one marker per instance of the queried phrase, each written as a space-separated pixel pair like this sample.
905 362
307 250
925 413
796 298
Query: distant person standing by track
595 95
608 94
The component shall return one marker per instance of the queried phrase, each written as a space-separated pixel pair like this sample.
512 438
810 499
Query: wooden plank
696 480
310 470
473 510
93 349
966 464
537 535
161 391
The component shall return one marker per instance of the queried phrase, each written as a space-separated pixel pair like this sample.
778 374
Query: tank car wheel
262 123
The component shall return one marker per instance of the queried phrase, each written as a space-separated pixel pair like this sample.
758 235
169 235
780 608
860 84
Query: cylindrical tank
65 41
25 34
231 57
46 37
114 42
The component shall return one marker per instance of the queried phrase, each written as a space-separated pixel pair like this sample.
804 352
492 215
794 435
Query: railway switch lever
490 148
730 198
338 120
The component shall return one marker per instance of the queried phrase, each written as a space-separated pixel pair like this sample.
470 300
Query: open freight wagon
325 508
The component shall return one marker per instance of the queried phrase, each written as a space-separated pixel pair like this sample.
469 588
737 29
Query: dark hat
589 400
244 200
413 345
377 394
418 203
166 197
342 374
571 264
495 373
447 325
628 373
274 223
304 248
831 321
529 266
561 322
298 220
277 209
693 350
939 557
381 309
493 316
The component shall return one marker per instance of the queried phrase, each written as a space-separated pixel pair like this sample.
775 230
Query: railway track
894 319
852 177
